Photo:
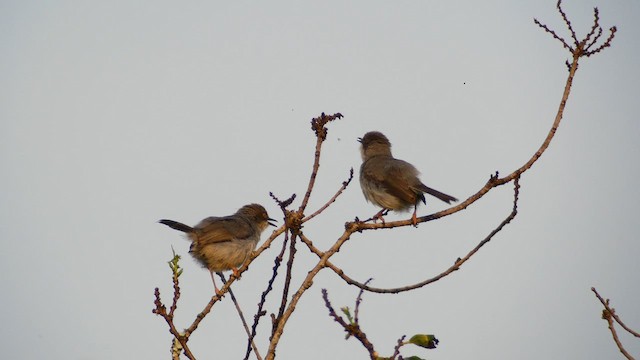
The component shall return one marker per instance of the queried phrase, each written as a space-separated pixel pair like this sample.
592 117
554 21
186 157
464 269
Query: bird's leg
236 273
379 215
214 284
414 219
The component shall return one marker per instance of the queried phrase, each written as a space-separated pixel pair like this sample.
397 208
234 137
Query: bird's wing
398 179
222 229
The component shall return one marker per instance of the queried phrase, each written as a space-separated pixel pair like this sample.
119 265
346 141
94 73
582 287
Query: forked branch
609 315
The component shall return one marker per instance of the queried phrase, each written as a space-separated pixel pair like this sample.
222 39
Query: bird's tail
177 226
442 196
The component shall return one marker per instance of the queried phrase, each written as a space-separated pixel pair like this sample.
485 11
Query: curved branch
495 180
448 271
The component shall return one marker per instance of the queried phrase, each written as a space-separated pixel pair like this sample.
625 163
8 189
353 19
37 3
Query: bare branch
244 322
263 298
161 310
306 284
607 315
553 33
567 22
399 344
318 126
606 44
494 180
605 303
333 199
287 282
283 204
451 269
594 27
351 328
594 40
356 311
583 47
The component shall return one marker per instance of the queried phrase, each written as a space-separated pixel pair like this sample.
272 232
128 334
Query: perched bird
225 243
388 182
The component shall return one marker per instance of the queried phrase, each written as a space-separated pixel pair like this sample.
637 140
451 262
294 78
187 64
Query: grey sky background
117 114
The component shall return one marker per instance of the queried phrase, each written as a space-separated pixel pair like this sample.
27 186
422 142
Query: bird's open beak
360 140
269 221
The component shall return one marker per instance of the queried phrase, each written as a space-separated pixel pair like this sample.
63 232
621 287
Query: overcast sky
115 114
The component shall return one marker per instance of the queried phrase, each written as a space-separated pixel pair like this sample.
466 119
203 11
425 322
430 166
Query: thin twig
161 310
606 44
244 322
333 199
263 298
351 329
318 126
356 311
594 27
567 22
553 33
613 313
287 282
399 344
609 315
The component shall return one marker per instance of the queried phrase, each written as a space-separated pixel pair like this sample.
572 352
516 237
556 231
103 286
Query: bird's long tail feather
177 225
442 196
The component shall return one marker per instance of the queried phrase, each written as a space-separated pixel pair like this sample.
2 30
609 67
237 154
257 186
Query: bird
225 243
391 183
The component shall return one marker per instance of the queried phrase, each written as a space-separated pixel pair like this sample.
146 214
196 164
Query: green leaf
413 358
425 341
347 312
174 264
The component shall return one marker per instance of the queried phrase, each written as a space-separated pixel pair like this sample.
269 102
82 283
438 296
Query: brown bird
225 243
391 183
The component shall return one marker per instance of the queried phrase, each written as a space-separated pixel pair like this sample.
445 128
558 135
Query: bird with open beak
225 243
